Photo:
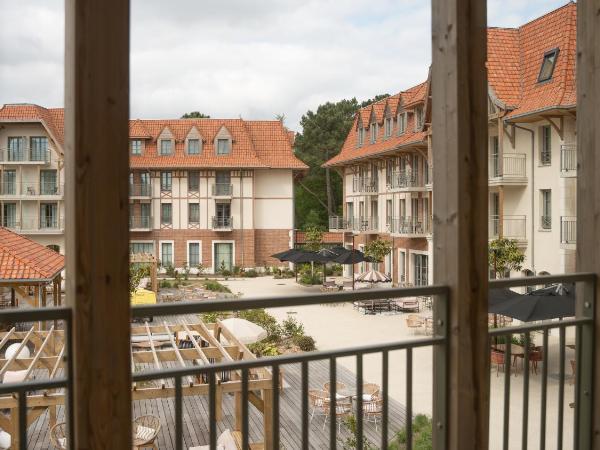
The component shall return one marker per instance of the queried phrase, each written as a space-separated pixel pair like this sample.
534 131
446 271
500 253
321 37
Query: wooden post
267 396
588 211
460 190
97 234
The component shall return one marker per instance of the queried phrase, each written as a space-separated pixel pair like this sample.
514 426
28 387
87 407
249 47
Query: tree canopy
504 255
195 115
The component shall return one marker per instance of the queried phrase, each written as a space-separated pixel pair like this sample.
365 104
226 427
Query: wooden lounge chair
58 436
145 431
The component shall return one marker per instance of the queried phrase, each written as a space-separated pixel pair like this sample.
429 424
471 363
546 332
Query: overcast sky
231 58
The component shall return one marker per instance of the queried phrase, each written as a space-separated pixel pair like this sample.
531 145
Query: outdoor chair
414 322
58 436
373 411
339 386
371 390
145 432
536 355
343 410
319 403
497 359
347 285
406 305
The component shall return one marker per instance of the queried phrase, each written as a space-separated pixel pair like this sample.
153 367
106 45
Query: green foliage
170 270
237 270
309 279
195 115
186 271
251 273
136 273
505 255
373 100
421 431
200 267
304 343
350 442
314 237
378 249
264 348
165 284
291 327
215 286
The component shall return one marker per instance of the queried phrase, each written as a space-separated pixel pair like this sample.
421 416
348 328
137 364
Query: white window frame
212 249
150 241
373 132
199 253
413 271
402 119
199 146
388 127
229 146
361 136
160 250
189 215
419 117
160 147
134 150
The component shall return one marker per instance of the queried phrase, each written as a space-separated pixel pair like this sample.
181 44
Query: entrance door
223 256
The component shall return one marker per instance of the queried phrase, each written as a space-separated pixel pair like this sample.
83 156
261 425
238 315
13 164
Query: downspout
532 227
242 216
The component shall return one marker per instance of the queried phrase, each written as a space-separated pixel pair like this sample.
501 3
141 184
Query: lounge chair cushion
226 441
144 433
62 442
14 376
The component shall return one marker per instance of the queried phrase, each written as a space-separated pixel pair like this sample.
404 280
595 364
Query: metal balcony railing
140 189
339 223
510 227
222 190
511 165
568 158
365 184
405 179
31 189
140 222
546 222
420 225
364 224
25 155
568 230
222 223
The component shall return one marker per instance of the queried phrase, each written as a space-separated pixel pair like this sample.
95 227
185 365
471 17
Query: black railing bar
285 359
359 402
23 419
561 388
178 417
332 402
520 329
409 419
35 314
544 391
543 279
305 405
70 404
212 411
507 379
275 409
11 388
577 390
384 406
245 428
173 309
525 419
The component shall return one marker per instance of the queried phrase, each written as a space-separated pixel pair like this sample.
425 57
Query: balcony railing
25 155
511 165
140 189
140 222
511 227
339 223
31 189
364 224
568 230
222 223
364 184
408 225
404 179
34 224
568 158
546 222
222 190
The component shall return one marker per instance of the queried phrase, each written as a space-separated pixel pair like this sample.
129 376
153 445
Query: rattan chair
319 403
339 386
58 435
145 432
371 389
373 411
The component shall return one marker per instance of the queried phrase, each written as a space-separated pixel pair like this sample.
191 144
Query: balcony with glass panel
25 156
419 226
140 190
140 223
508 227
222 190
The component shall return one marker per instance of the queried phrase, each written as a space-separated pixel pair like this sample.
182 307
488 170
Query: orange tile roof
23 259
256 144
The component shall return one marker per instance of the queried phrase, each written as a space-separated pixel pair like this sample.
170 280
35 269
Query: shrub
250 273
226 273
422 430
304 343
311 279
170 270
165 284
201 269
186 271
265 320
264 349
349 443
237 270
292 328
215 286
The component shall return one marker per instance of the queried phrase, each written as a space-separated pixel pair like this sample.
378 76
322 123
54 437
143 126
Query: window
141 247
9 215
418 117
193 146
194 213
166 181
48 215
145 215
401 123
38 148
223 147
16 147
548 64
373 133
388 127
361 136
166 254
193 254
48 182
546 145
166 213
9 182
136 147
165 146
401 266
494 157
193 180
421 270
388 212
546 220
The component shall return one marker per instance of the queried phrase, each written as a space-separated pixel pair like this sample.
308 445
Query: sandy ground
335 327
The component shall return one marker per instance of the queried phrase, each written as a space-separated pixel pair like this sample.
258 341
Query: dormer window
223 146
166 147
193 147
361 136
136 146
388 127
373 133
401 123
418 118
548 65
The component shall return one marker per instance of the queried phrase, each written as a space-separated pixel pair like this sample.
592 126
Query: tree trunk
329 193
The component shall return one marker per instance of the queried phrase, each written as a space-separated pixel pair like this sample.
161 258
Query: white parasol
247 332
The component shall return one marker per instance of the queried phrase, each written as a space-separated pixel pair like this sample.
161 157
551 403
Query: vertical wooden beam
97 239
460 189
588 212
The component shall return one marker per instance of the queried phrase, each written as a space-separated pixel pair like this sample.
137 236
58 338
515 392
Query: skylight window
548 65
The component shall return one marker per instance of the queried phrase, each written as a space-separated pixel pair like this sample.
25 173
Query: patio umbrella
285 255
352 257
553 302
373 276
247 332
497 297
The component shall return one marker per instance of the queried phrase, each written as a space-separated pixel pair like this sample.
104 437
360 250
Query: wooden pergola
156 346
149 260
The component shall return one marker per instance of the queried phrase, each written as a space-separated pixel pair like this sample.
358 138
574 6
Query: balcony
25 156
508 227
568 160
365 185
222 223
406 179
410 226
140 223
338 223
140 190
510 169
31 190
222 190
364 224
568 230
35 224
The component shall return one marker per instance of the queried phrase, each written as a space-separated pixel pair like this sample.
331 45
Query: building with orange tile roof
202 191
386 159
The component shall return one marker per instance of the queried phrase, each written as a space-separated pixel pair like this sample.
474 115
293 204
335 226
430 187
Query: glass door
48 215
48 182
223 256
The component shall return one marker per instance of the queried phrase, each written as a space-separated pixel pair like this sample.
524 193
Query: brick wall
268 242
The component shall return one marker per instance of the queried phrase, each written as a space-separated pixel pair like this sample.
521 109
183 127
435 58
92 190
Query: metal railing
222 190
140 189
25 155
546 222
568 158
34 223
405 179
511 227
222 222
339 223
546 157
411 225
31 189
364 224
140 222
365 184
511 165
568 230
